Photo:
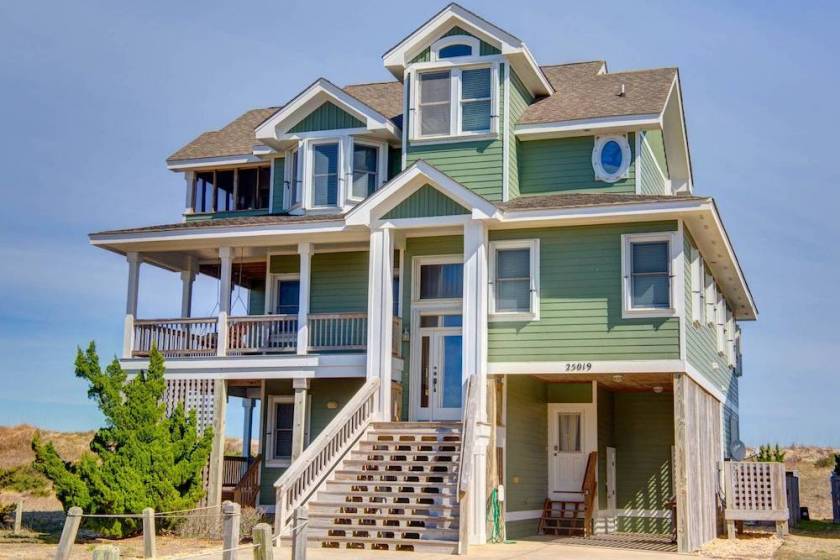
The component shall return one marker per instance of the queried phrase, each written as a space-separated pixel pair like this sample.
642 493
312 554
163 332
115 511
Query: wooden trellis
756 492
194 394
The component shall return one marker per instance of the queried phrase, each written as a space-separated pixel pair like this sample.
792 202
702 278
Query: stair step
437 498
416 426
370 475
327 530
402 464
409 445
353 486
384 517
377 543
417 453
331 505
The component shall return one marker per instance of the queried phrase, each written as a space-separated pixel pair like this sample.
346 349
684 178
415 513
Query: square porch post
187 281
305 252
301 387
380 314
225 277
134 262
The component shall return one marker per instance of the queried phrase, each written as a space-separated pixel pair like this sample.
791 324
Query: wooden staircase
573 517
241 480
395 490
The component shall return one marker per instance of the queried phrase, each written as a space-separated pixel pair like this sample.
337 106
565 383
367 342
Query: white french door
438 368
571 437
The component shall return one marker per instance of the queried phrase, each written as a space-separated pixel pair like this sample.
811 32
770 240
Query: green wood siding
580 302
278 185
339 282
284 264
569 393
327 117
416 247
565 165
606 438
656 141
520 98
651 180
485 49
321 392
475 164
426 202
527 437
701 341
256 297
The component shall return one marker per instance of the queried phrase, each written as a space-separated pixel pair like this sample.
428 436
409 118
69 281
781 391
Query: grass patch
24 479
817 528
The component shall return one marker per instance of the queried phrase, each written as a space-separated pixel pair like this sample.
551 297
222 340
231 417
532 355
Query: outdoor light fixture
332 405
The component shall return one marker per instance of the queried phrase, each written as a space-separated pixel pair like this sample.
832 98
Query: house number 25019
578 366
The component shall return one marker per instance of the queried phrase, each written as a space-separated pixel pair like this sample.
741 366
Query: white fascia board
578 127
187 164
404 184
598 367
310 99
646 209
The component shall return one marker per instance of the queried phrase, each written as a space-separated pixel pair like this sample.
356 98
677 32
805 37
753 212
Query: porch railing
337 331
262 334
302 479
175 338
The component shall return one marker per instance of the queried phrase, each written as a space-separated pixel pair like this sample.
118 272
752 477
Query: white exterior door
571 437
438 368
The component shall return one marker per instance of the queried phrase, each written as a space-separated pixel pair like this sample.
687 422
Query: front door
571 437
439 371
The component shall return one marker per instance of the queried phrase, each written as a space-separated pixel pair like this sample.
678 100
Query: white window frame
381 165
293 182
455 130
698 309
710 297
627 240
626 158
417 262
273 400
271 290
730 337
309 176
533 314
720 323
444 42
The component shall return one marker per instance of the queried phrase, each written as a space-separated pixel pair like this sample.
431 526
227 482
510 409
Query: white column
187 280
247 425
134 261
305 252
475 365
189 205
301 387
380 314
225 276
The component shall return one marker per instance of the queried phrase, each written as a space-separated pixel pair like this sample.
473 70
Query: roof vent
621 91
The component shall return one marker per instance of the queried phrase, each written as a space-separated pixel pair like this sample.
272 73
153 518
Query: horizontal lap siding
701 343
520 98
580 302
284 264
278 185
339 282
327 117
651 180
606 438
657 144
565 165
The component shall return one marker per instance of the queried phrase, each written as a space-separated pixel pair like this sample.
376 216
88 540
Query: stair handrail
465 458
245 491
306 473
589 488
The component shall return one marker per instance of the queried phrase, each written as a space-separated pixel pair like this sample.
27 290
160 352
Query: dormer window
454 46
325 174
455 102
455 50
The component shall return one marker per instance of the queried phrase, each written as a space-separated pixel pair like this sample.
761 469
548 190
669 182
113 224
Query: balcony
255 335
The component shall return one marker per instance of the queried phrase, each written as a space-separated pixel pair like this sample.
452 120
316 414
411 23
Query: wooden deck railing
337 331
262 334
176 338
302 479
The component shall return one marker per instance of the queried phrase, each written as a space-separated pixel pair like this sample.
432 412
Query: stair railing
246 490
469 417
589 488
305 475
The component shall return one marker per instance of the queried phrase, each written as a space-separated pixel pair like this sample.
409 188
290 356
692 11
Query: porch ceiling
631 382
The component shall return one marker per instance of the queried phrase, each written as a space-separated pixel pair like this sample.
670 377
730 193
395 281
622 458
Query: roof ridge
638 70
372 83
573 63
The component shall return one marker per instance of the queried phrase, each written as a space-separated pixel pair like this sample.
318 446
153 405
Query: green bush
140 459
770 454
24 479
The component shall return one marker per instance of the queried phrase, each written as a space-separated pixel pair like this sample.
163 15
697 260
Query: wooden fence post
263 539
106 552
148 533
18 516
299 523
68 534
231 515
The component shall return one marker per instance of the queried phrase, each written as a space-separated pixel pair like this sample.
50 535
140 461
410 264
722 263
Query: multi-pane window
650 275
293 184
475 100
365 170
514 279
435 106
441 281
287 297
453 51
230 190
325 174
281 427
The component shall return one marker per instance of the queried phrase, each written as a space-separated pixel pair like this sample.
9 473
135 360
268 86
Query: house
485 285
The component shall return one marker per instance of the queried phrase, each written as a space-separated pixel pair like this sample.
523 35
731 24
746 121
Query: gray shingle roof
236 138
240 221
580 200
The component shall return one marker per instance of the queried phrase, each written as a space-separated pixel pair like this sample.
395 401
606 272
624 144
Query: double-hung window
325 174
293 182
514 272
280 426
646 270
365 170
454 102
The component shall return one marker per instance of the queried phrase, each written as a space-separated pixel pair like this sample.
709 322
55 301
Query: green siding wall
416 247
527 437
656 141
284 264
520 98
321 392
475 164
339 282
569 393
701 342
606 438
278 186
426 202
565 165
256 297
651 180
327 117
580 302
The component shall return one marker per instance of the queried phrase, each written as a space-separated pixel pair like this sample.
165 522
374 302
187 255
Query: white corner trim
506 138
212 162
522 515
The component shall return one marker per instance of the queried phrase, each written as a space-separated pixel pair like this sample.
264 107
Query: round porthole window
611 158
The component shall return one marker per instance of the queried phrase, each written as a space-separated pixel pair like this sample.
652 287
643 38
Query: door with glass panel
571 437
440 373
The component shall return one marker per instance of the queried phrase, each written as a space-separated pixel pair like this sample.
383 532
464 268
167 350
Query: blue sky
95 95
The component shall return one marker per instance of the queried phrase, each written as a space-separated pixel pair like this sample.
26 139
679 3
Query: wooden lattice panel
194 394
755 491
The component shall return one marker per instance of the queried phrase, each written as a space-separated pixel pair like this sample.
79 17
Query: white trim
638 143
627 240
588 439
533 314
706 384
431 222
505 130
590 367
213 162
421 260
678 279
697 271
602 174
582 127
269 430
511 516
381 166
443 42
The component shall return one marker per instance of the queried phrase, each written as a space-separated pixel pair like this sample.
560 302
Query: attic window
611 158
455 50
455 46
